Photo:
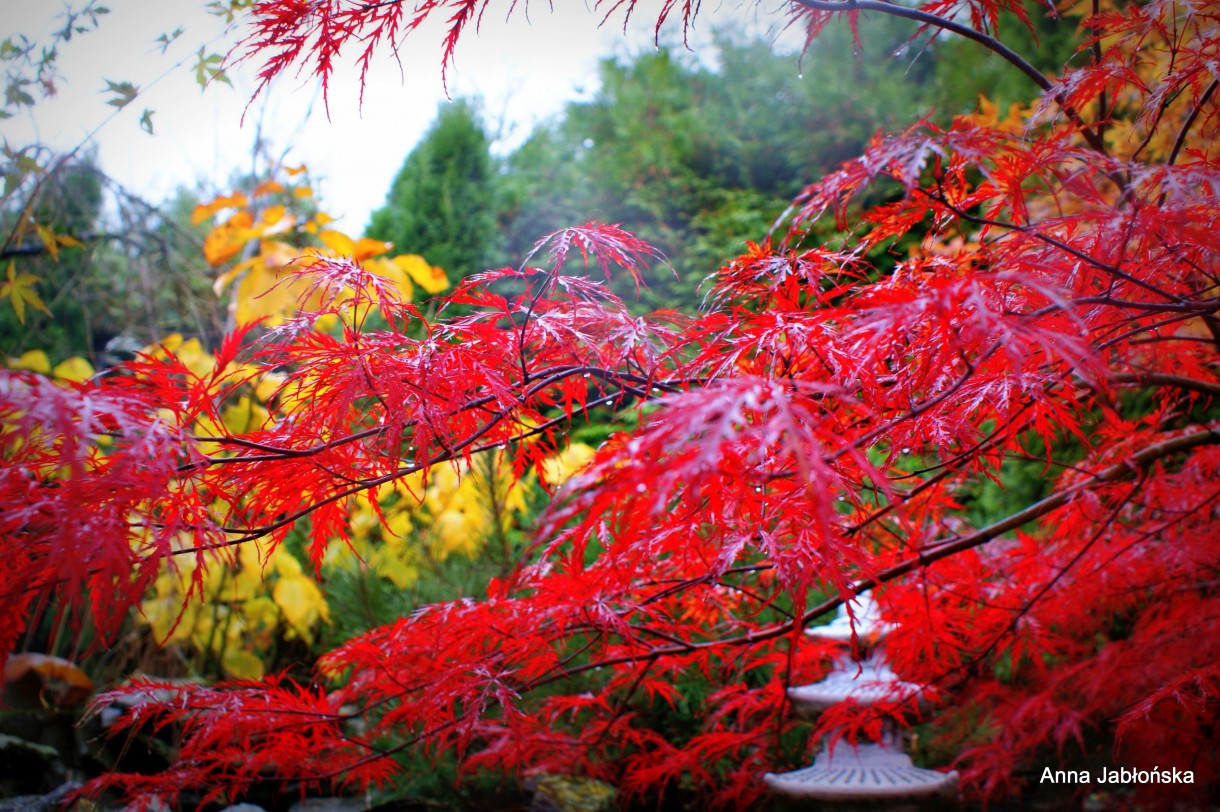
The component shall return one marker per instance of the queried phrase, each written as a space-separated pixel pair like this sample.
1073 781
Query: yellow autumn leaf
388 270
19 288
227 240
261 612
398 571
302 604
338 242
429 277
278 255
171 622
166 345
244 584
243 416
262 294
285 563
273 214
222 244
268 187
75 369
205 210
399 524
223 279
363 522
34 361
48 241
293 398
201 636
562 466
193 356
456 531
367 247
242 664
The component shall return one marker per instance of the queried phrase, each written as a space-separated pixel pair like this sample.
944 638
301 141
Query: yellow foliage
266 281
302 603
268 187
53 242
366 247
236 608
32 360
338 242
75 369
19 289
243 416
989 116
189 352
229 614
242 664
227 240
562 466
273 215
429 277
205 210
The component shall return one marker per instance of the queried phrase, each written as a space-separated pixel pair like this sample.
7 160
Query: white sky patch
524 69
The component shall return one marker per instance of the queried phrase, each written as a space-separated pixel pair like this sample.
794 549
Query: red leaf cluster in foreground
826 426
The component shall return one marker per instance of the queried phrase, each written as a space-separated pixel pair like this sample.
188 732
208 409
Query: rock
40 803
329 805
152 805
568 793
28 767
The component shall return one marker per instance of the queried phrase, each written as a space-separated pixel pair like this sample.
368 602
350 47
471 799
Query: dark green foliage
441 203
138 273
964 71
699 158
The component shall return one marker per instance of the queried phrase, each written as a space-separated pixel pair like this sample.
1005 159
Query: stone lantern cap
870 628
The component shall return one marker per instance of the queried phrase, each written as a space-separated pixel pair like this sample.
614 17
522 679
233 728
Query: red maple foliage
822 428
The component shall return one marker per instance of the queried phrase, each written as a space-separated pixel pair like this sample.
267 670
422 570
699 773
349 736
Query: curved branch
1135 463
989 42
918 15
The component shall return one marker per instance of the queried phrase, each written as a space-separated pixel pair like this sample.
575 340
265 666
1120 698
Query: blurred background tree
441 203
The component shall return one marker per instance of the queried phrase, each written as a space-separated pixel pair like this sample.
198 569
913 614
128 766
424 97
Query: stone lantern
870 772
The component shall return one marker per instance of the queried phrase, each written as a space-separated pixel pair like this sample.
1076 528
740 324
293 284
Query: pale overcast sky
524 69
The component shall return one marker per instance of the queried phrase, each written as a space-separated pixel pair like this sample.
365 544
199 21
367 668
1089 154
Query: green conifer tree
441 202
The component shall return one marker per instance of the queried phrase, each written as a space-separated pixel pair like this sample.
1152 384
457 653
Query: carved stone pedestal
877 773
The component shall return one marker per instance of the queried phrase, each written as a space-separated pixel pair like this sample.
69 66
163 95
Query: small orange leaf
429 277
273 215
338 242
367 247
268 187
205 210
